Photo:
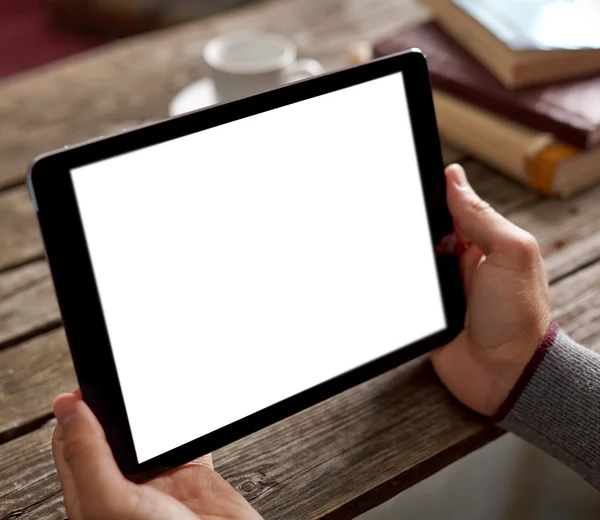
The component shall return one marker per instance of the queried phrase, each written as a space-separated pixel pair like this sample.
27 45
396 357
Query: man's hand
508 309
94 488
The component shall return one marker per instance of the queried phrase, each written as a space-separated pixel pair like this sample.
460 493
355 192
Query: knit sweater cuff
555 405
528 372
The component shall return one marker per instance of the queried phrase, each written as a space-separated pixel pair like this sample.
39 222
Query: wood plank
577 306
27 303
342 456
31 375
124 84
19 232
568 231
28 479
50 509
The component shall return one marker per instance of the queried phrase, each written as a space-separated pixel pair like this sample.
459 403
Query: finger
85 457
469 261
64 473
205 460
460 235
476 220
193 478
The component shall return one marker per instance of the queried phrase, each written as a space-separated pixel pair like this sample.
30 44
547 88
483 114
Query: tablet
221 270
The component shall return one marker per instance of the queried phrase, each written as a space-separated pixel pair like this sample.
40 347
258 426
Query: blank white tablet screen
246 263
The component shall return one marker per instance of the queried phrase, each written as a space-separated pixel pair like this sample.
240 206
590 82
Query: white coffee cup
246 63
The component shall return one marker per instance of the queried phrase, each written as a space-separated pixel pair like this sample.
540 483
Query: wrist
514 382
482 377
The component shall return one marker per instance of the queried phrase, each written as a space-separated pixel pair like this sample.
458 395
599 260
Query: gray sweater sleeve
555 405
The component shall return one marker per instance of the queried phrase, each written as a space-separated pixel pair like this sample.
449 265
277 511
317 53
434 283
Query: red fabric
528 373
29 38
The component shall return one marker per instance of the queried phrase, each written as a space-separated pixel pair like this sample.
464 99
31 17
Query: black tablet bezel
52 191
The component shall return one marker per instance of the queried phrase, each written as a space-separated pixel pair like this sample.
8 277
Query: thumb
83 453
475 218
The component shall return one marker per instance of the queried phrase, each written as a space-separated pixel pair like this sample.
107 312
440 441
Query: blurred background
40 31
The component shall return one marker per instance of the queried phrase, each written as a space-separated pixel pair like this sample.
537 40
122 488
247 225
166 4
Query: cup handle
302 69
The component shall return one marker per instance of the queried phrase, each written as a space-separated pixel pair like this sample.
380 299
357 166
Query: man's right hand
508 308
94 487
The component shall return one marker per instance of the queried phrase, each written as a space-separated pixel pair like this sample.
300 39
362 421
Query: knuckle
526 248
205 479
479 206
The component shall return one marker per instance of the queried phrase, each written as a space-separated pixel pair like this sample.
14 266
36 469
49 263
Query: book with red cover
570 110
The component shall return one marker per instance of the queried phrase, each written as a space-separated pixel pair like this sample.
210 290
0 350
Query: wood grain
28 480
568 231
342 456
27 303
576 302
31 375
19 234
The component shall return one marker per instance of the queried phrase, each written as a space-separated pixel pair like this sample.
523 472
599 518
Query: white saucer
197 95
200 94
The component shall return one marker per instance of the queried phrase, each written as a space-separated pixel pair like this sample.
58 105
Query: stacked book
517 85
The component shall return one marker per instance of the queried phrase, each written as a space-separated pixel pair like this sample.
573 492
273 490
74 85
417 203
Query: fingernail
65 408
460 177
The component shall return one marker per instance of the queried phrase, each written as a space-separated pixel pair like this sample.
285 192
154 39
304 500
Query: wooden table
335 460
